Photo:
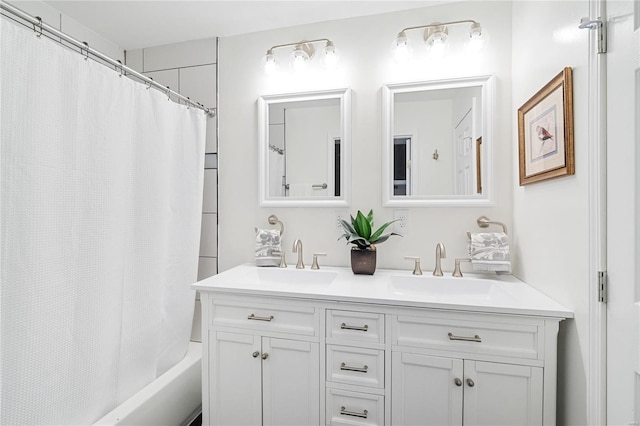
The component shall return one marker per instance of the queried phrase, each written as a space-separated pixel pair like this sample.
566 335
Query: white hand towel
489 251
268 247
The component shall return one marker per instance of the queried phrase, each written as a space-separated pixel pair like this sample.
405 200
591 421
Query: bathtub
175 398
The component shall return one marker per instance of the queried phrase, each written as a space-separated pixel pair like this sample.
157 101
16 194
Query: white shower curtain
101 209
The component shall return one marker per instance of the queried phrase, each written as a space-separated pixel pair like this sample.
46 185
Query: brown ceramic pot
363 262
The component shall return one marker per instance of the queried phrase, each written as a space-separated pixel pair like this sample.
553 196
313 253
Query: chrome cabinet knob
255 354
470 383
265 355
458 382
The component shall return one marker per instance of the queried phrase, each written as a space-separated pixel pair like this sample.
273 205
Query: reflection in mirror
304 148
437 142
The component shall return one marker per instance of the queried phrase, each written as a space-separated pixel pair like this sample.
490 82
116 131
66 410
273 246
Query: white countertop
475 293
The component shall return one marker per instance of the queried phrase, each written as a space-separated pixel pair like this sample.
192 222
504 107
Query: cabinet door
291 382
426 390
235 381
502 394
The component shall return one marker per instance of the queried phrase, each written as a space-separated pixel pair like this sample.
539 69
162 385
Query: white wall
364 46
430 125
551 222
69 26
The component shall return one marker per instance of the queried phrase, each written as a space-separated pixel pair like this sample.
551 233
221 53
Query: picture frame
545 131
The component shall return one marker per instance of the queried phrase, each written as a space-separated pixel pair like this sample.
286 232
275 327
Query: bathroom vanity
287 346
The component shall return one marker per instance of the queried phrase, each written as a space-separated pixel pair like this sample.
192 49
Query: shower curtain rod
40 26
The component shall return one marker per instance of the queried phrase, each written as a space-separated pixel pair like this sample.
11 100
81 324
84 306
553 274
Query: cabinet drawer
302 320
355 366
352 408
355 326
492 338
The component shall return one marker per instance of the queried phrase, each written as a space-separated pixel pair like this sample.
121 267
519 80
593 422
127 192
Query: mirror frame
344 96
487 83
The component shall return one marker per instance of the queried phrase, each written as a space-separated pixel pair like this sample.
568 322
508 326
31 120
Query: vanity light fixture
303 52
435 37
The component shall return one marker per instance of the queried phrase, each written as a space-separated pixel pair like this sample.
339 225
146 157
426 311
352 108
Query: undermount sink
299 277
447 287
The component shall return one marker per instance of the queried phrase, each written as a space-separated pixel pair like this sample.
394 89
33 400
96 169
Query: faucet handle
416 266
456 271
283 259
315 265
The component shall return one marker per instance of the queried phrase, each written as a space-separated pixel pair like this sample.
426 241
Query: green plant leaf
384 238
370 218
362 226
380 230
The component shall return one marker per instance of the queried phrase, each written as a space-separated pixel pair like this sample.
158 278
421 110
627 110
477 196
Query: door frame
597 367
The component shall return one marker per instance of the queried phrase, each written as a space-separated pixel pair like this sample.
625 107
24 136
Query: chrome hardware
345 412
273 220
440 253
416 265
470 383
344 326
39 32
603 282
297 248
475 338
345 367
598 25
283 261
458 382
265 355
456 270
319 186
255 354
255 318
315 265
484 222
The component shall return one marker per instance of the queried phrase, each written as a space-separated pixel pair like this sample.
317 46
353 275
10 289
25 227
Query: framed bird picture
545 131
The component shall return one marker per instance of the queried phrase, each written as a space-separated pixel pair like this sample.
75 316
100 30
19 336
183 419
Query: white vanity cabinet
473 369
263 363
355 367
430 390
355 351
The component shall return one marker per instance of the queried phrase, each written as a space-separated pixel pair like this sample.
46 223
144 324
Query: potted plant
359 232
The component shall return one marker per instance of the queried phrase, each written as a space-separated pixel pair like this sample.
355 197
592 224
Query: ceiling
144 23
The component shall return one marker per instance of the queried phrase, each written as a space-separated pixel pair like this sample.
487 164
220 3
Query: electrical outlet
402 220
340 215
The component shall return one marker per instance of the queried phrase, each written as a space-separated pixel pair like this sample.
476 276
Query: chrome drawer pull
345 412
344 326
345 367
475 338
255 318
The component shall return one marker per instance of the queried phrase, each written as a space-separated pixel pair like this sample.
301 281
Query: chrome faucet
440 253
297 248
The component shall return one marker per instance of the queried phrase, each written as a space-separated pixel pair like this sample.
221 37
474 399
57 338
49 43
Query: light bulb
402 51
438 47
330 57
300 59
270 63
476 40
436 39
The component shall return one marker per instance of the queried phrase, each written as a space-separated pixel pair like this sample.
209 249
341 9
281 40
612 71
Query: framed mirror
304 146
437 142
